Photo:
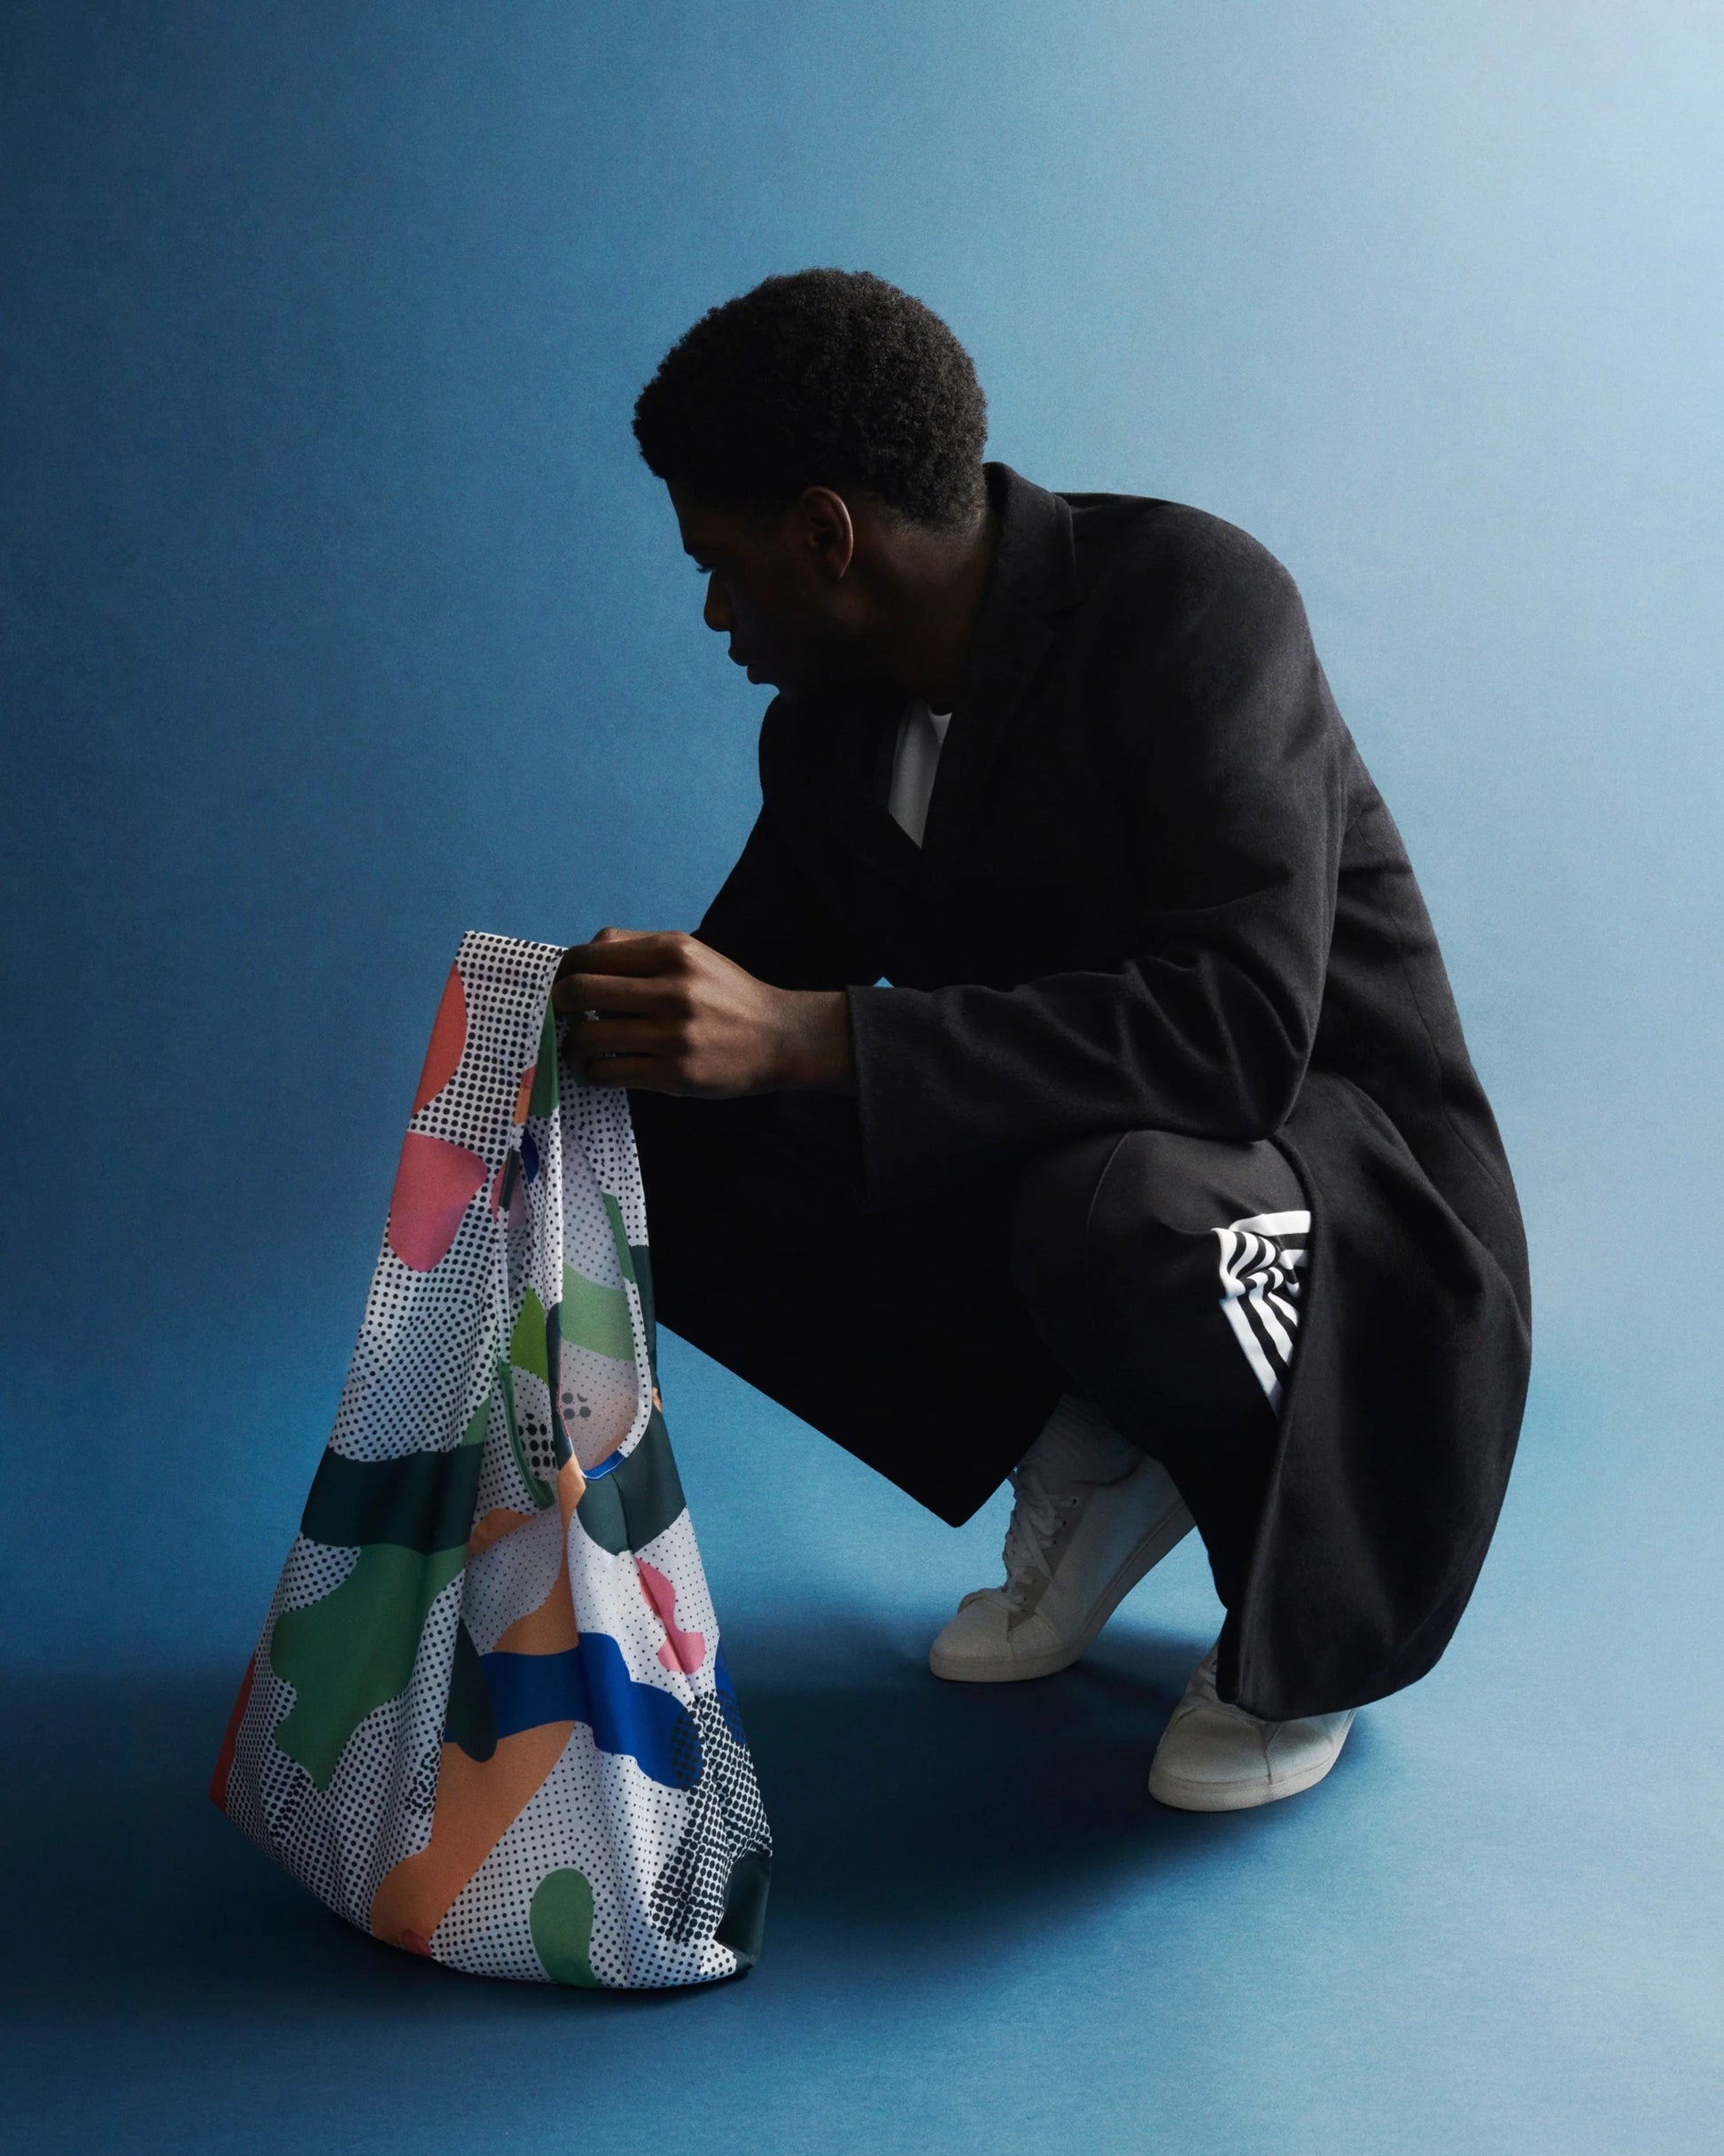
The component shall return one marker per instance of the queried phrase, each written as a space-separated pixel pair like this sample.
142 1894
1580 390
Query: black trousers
1153 1272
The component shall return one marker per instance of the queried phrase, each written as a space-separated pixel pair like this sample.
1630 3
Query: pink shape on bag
684 1650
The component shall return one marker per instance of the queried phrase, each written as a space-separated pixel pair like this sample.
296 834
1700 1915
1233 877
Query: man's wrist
816 1047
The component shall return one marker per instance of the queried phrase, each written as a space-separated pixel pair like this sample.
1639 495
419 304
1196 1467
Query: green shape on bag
562 1450
624 1509
560 1920
596 1318
348 1652
526 1342
542 1099
613 1212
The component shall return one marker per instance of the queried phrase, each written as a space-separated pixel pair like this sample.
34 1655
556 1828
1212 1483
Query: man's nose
716 613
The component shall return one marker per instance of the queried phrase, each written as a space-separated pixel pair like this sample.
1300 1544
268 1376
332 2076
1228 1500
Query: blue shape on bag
530 1155
591 1683
726 1696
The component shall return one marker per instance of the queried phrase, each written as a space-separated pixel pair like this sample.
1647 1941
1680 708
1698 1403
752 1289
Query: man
1065 1081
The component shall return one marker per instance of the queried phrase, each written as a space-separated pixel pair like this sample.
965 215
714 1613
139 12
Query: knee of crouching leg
1050 1221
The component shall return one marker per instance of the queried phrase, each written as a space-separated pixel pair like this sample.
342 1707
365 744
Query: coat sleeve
768 917
1229 754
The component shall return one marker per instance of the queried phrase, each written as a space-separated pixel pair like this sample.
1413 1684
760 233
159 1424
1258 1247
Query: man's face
771 591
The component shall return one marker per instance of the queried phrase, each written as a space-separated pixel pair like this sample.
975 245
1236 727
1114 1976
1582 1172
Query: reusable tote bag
488 1720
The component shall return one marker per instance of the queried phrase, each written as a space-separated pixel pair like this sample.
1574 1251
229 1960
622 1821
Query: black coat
1159 890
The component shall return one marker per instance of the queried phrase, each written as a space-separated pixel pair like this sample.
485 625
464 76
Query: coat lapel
1033 581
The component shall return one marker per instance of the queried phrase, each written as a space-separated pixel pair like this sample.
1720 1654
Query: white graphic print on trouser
1260 1257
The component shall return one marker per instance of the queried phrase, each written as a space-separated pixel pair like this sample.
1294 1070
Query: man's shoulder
1141 549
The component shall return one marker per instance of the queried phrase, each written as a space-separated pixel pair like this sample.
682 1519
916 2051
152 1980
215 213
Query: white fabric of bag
488 1719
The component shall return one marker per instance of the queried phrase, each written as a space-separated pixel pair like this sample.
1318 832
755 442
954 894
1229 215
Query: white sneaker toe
990 1641
1213 1757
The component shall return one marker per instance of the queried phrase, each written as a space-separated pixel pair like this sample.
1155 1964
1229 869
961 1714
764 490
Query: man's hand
665 1013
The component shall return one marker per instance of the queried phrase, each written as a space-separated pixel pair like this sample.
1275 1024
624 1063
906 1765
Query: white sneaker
1213 1757
1093 1514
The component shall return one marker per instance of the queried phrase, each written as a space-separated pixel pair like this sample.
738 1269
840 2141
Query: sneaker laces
1037 1515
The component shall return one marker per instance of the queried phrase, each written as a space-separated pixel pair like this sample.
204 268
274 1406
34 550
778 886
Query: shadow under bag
488 1719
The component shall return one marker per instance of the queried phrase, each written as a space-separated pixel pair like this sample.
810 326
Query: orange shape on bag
448 1042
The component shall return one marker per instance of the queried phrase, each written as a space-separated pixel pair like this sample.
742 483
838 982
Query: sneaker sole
1168 1532
1178 1795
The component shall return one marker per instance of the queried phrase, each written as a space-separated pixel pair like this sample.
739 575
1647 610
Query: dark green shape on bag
744 1919
624 1509
422 1501
642 1277
469 1720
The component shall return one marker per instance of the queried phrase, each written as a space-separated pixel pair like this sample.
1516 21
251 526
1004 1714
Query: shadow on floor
906 1813
902 1804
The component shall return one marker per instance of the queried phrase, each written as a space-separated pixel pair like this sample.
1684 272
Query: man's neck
929 587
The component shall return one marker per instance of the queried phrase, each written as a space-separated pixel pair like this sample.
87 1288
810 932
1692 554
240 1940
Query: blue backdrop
339 616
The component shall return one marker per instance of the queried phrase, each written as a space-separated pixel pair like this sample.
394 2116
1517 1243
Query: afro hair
828 377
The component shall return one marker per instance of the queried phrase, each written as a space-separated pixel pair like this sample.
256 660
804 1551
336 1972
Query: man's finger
646 1072
628 952
616 1037
579 992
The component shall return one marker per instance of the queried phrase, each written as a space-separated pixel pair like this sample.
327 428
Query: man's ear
828 533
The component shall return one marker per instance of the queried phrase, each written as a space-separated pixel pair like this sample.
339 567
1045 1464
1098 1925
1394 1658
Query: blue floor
338 616
1497 1929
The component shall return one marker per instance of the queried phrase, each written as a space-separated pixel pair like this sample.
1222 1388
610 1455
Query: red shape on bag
434 1186
448 1042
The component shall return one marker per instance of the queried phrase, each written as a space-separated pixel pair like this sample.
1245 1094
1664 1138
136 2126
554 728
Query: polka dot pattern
446 1357
512 1576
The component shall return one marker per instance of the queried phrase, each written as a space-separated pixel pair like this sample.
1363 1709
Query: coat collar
1032 581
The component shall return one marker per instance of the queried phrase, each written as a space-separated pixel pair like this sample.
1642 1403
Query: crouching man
1065 1083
